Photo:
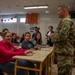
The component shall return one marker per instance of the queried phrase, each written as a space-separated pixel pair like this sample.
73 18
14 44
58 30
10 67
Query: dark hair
35 27
40 40
1 33
14 40
13 34
51 27
22 35
5 30
27 33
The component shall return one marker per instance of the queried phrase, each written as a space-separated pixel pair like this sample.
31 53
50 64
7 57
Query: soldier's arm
63 33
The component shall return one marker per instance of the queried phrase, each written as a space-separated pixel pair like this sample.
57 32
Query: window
22 20
8 20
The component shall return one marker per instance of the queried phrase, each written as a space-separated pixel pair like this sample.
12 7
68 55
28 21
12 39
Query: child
27 44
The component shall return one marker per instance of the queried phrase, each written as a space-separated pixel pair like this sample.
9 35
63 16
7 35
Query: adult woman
49 42
7 51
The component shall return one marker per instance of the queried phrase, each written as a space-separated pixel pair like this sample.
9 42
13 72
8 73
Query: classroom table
44 57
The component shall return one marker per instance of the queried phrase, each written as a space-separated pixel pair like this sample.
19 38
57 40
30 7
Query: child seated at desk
7 51
37 40
27 44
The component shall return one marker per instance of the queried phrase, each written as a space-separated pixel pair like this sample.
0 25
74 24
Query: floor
54 70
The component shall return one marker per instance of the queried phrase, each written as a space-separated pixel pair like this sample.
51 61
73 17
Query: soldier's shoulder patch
66 24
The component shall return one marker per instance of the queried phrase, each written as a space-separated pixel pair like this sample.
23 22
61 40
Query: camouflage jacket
63 44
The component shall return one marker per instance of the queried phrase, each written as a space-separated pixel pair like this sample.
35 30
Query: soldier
63 44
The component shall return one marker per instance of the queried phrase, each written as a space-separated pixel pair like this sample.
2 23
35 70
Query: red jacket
7 51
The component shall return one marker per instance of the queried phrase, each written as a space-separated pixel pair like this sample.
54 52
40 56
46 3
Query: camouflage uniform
63 46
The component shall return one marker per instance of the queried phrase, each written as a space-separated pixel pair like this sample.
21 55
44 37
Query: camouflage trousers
64 64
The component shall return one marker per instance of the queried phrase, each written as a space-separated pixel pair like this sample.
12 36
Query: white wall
45 20
18 27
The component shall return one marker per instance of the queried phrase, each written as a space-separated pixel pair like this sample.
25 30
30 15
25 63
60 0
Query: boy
27 44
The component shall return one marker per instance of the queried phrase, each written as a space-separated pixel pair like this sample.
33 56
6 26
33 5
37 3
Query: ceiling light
47 11
35 7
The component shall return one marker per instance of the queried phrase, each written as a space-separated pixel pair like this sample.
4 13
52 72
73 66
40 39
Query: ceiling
17 6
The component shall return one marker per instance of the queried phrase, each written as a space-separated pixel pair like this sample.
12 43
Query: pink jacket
7 51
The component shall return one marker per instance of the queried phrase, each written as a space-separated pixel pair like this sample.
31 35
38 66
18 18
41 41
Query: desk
50 59
40 56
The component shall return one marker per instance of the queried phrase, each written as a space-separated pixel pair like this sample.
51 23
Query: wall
18 27
45 20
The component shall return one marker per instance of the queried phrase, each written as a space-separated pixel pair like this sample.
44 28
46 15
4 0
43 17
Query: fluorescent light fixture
35 7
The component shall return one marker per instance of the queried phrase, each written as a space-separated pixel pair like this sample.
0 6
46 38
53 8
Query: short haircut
27 33
65 7
51 27
37 27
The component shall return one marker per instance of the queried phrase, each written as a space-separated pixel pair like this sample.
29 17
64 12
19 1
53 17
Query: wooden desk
50 60
41 57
